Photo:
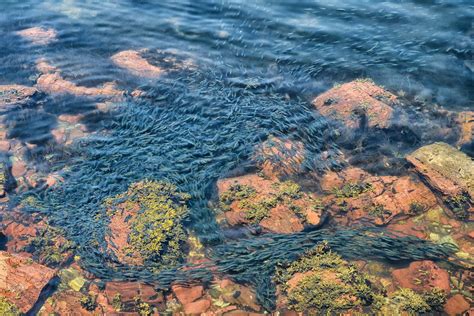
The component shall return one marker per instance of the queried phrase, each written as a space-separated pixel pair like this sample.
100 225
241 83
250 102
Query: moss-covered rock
146 224
279 207
410 301
322 281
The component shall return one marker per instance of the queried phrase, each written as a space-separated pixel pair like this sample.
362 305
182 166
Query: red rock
39 35
71 119
187 295
456 305
466 124
279 157
445 168
287 216
237 294
129 291
67 303
136 64
21 280
19 235
281 220
197 307
349 101
4 145
409 228
117 241
53 179
15 94
422 276
395 197
471 234
18 168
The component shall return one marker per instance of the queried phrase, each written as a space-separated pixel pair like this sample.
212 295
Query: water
256 65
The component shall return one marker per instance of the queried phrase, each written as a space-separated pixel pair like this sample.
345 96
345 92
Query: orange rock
281 220
197 307
187 295
21 280
39 35
422 276
136 64
356 101
15 94
456 305
280 157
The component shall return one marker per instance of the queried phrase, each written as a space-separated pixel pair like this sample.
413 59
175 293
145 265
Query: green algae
459 205
351 190
410 301
329 284
89 302
157 232
50 247
7 308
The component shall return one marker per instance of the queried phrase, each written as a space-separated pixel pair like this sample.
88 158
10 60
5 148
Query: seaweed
351 190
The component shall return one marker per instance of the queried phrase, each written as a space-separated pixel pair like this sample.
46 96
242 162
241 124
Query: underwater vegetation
156 228
328 283
410 301
257 207
320 280
49 247
460 205
7 308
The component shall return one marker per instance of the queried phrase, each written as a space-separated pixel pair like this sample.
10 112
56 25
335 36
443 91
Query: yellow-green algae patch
153 213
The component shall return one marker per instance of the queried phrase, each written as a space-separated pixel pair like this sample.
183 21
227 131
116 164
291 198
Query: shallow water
256 65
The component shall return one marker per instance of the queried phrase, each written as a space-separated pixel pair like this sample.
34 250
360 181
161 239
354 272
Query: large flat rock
355 102
21 280
445 168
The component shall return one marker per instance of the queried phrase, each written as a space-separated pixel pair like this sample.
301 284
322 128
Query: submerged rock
55 84
466 124
39 35
358 103
136 64
456 305
3 179
145 224
279 157
22 280
15 94
445 168
279 207
51 81
357 196
422 276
